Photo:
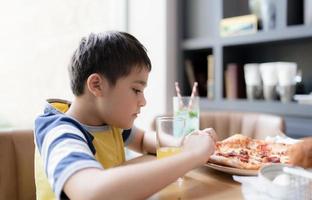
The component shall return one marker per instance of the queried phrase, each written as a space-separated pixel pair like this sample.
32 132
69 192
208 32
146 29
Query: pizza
243 152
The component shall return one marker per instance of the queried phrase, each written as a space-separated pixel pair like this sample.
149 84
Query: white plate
232 170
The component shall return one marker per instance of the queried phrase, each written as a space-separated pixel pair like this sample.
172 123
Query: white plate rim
232 170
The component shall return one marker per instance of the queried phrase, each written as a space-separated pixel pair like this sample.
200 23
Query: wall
40 36
147 22
37 39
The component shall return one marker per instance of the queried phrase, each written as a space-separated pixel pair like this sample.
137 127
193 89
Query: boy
80 145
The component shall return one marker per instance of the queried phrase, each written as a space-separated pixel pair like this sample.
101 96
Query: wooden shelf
198 43
273 107
289 33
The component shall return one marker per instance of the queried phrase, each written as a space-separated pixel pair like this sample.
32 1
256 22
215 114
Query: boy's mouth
136 114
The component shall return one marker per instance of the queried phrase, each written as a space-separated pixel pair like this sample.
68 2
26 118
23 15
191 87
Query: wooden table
202 183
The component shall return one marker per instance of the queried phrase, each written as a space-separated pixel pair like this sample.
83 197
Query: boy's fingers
196 132
212 133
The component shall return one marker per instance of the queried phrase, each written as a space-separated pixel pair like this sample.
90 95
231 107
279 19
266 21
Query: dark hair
111 54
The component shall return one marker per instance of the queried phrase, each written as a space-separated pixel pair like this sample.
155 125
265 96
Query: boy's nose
142 101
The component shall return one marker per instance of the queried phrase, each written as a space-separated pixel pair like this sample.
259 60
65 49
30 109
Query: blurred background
38 38
246 55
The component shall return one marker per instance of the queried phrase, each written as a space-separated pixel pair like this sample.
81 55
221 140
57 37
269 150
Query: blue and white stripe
65 148
57 135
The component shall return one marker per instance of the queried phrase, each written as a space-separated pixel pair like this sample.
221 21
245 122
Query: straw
192 95
179 94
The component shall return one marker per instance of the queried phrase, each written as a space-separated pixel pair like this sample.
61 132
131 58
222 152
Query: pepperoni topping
243 152
274 159
244 159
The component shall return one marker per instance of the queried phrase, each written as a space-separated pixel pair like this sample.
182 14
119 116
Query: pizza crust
233 162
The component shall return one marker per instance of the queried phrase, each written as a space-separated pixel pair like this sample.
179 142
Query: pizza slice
243 152
274 152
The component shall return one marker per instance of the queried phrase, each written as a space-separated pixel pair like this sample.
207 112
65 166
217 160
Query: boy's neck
83 110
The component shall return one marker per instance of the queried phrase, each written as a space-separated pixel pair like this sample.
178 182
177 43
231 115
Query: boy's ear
97 84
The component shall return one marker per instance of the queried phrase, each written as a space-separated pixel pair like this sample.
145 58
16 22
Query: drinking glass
187 108
169 135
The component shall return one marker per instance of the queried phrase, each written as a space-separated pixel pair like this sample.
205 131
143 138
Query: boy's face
124 100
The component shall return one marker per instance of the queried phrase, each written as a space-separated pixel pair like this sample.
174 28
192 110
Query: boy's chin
126 125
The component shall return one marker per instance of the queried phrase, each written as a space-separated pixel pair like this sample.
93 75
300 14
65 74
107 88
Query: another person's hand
301 153
201 144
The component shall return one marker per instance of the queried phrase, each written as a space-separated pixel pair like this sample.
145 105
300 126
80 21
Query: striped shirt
64 146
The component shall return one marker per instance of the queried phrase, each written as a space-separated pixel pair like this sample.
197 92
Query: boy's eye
136 91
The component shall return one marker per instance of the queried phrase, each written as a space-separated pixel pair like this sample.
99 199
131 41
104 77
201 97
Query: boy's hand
212 133
201 144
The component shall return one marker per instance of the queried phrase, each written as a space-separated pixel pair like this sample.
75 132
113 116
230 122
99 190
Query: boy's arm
138 181
143 142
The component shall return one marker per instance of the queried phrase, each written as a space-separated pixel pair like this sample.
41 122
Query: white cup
252 74
286 92
268 73
269 77
253 81
286 73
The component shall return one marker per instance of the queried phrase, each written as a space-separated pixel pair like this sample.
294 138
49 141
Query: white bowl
291 190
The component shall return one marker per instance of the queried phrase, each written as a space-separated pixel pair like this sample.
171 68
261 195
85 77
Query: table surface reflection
202 183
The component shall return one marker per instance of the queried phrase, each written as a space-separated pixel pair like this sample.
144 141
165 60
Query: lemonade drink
189 113
169 135
167 151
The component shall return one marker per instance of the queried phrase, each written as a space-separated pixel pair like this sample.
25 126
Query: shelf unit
199 29
290 33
